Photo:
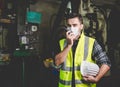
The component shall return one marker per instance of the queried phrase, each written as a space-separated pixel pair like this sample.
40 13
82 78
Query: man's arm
60 57
101 59
103 70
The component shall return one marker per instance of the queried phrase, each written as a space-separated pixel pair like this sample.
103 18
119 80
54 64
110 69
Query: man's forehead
73 20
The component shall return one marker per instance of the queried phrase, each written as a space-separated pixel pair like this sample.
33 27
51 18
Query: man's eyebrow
74 24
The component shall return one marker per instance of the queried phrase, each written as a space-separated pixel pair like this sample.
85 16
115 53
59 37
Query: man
75 48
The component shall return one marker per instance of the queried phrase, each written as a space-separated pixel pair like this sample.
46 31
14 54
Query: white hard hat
88 68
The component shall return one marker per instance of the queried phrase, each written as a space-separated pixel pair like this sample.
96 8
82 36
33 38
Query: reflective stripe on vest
85 43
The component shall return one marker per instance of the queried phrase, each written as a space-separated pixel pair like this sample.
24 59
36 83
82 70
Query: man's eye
74 25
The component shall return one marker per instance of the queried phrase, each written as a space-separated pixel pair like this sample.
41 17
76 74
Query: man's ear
82 26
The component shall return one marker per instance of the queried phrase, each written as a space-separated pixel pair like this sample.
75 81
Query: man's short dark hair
72 15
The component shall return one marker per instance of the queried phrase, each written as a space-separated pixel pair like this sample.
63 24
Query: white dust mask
75 30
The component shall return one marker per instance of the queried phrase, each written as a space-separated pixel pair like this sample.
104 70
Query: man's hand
70 37
90 79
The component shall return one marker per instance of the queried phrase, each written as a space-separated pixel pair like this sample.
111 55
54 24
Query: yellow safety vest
83 52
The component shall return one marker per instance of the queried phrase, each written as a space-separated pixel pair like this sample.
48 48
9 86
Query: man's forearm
60 57
103 70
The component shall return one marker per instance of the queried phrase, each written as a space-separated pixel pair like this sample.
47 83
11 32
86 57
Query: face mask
75 30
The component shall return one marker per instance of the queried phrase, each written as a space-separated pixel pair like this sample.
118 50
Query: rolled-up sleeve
99 55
